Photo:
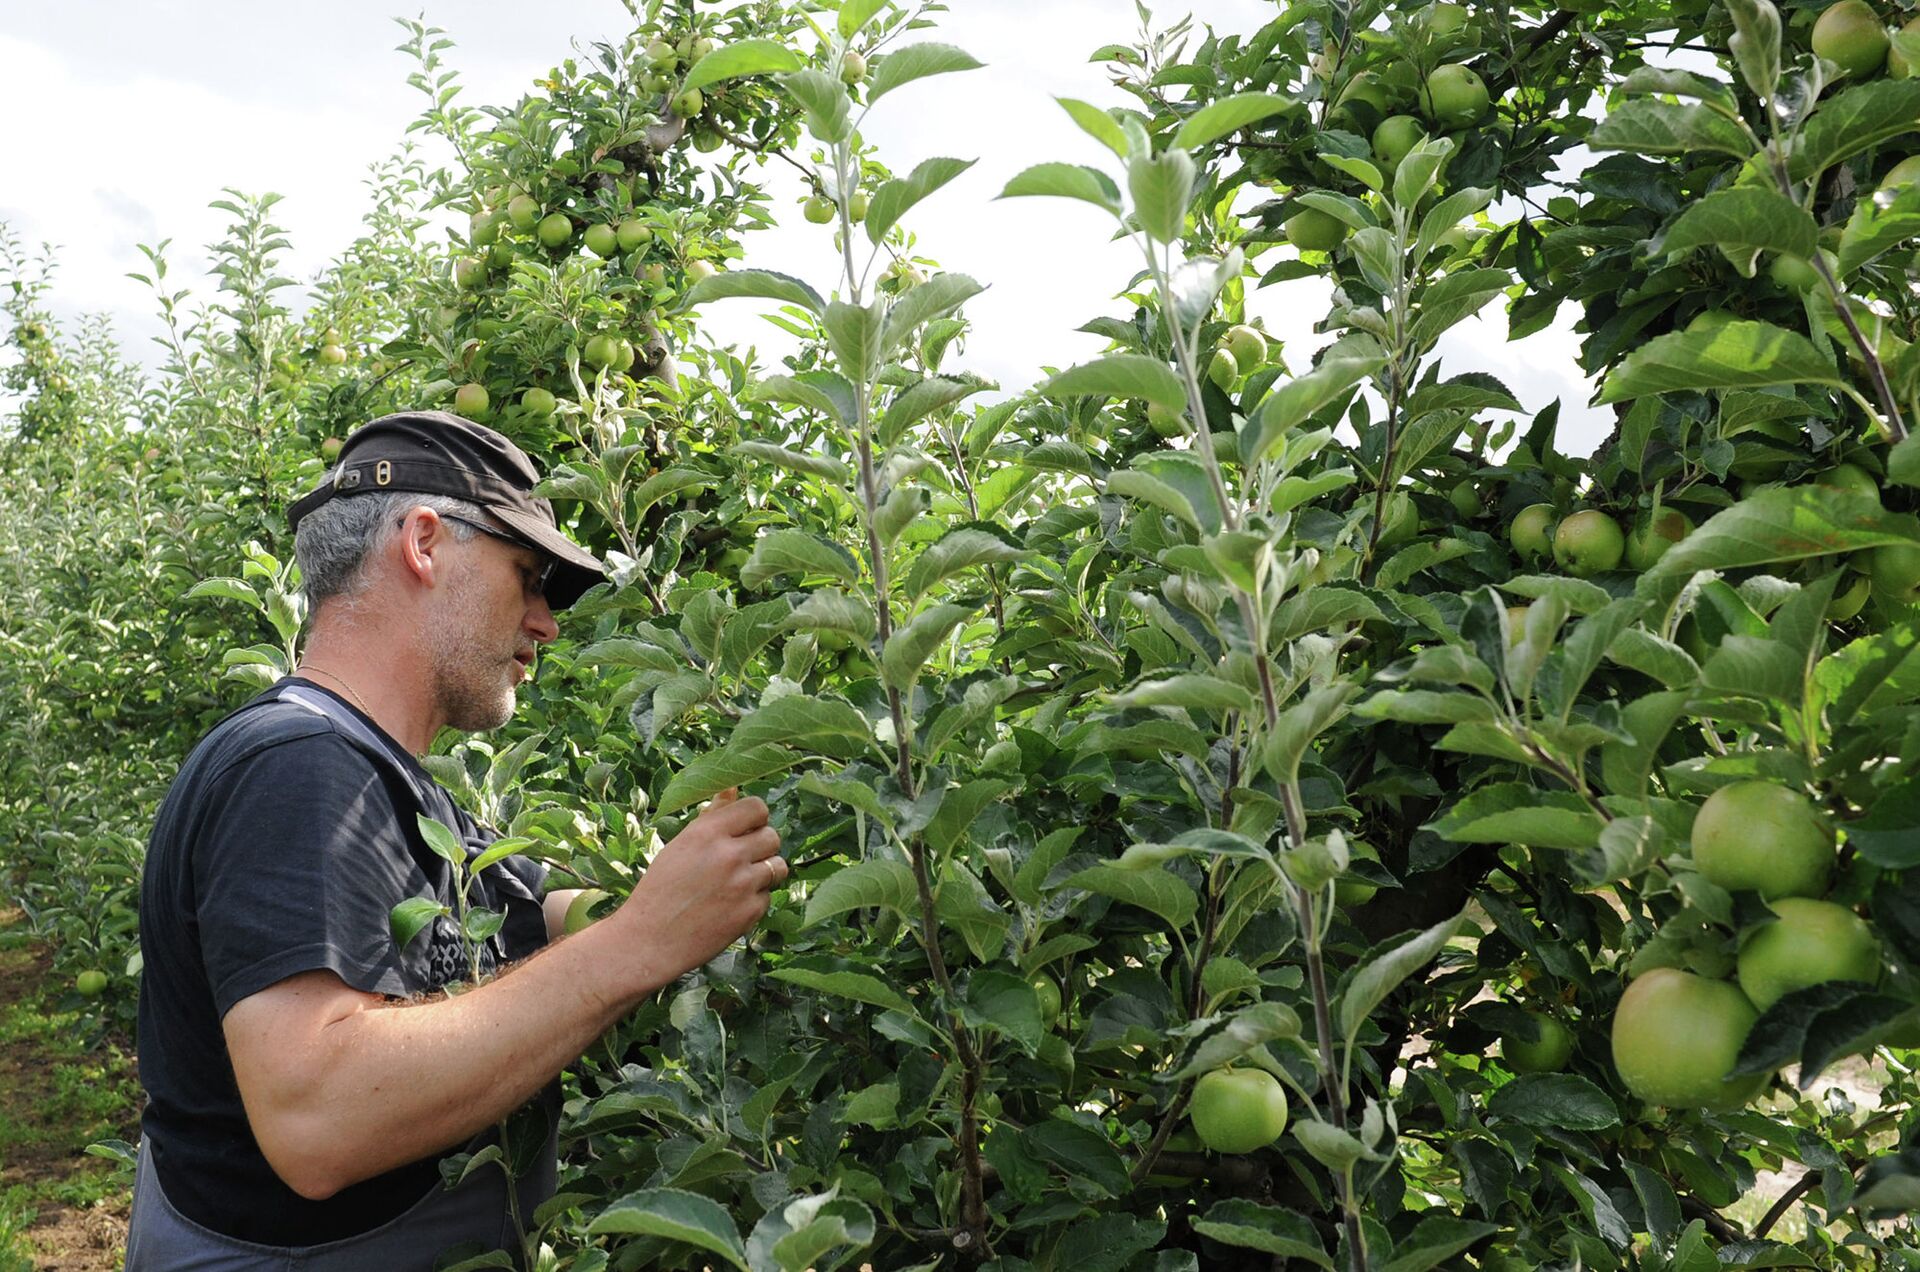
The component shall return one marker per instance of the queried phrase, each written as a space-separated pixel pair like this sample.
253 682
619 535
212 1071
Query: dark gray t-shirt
283 847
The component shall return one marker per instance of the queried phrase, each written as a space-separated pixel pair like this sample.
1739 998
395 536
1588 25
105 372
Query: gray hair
336 540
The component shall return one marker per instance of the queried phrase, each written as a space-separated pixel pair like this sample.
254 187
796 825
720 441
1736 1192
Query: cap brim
577 570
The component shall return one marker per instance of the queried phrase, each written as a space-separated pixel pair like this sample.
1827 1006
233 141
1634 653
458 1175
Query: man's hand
706 888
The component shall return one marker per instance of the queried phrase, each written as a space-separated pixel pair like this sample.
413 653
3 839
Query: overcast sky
147 110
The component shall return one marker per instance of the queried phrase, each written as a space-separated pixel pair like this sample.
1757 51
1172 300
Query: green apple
1530 531
1445 18
523 210
1850 477
1847 602
1547 1054
1760 835
629 235
689 104
1455 96
332 354
602 240
1465 498
330 449
1676 1036
1851 35
857 206
1312 230
818 209
1396 135
1797 274
470 400
554 230
1895 571
1047 991
697 270
91 983
1904 173
1238 1110
1164 420
1711 320
538 401
1367 87
853 67
1588 543
483 228
1352 890
1223 370
1897 65
1247 345
577 911
1653 534
1810 943
468 272
604 350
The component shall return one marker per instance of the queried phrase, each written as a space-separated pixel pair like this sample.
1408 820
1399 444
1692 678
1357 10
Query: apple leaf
891 201
1128 375
1649 127
747 57
675 1215
1268 1229
1853 121
1742 222
1066 181
1740 355
917 61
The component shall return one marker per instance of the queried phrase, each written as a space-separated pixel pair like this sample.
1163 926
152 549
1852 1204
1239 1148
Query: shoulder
274 733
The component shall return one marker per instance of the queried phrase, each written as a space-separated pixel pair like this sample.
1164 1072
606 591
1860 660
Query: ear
421 546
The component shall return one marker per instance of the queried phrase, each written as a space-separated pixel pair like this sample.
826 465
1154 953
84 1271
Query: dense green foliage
1208 707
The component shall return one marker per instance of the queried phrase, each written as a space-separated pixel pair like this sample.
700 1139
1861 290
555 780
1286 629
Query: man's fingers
724 798
775 870
738 816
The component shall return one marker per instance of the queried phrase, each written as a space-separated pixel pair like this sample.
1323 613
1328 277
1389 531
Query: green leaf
675 1215
1161 186
797 553
817 724
1293 733
1663 128
1007 1005
935 298
228 589
1268 1229
1740 355
959 807
1854 121
831 610
961 549
1155 891
1425 706
1434 1240
710 774
857 986
1515 813
1227 115
793 461
1743 222
1084 1154
1345 364
1250 1027
917 61
962 903
1874 230
1562 1100
442 841
1066 181
762 283
1779 524
855 333
1097 124
891 201
855 14
1376 979
408 919
922 398
1125 375
909 648
1755 45
1148 489
821 391
745 57
881 884
1194 690
824 99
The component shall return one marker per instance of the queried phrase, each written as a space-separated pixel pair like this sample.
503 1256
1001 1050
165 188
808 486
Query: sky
148 111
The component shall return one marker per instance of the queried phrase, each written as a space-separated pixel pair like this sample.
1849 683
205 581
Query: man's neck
378 674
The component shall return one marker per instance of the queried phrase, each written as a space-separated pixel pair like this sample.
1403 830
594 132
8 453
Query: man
304 1077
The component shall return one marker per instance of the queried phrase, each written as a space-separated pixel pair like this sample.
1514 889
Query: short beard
467 678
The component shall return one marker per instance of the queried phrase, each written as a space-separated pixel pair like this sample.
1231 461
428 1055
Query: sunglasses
542 575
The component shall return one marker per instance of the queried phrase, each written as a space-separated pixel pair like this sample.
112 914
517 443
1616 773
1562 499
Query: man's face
487 629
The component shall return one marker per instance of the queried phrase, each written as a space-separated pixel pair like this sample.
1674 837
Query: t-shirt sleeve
297 867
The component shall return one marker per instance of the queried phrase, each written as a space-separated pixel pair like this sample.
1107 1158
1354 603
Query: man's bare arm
340 1087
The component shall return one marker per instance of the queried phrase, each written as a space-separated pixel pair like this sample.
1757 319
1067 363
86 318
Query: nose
540 622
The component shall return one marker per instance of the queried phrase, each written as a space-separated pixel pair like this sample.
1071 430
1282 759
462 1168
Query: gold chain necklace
337 680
